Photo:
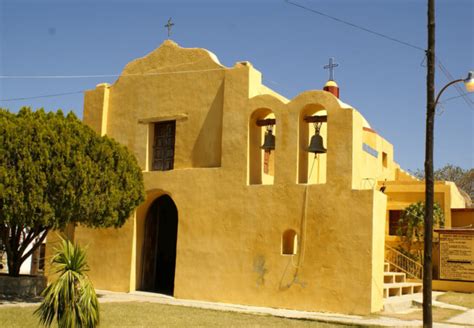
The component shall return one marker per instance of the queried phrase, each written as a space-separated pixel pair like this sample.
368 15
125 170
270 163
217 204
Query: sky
383 79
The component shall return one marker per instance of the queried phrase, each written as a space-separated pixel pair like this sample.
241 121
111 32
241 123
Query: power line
355 26
82 91
12 77
105 75
455 97
443 69
89 76
44 96
459 90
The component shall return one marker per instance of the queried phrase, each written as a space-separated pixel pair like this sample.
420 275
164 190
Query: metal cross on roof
331 66
168 26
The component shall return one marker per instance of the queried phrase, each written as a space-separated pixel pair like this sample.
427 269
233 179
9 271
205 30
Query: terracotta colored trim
332 89
369 130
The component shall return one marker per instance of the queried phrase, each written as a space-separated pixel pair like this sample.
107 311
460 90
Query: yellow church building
225 220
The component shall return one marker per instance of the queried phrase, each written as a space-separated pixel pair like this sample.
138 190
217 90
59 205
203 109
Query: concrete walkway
463 320
466 318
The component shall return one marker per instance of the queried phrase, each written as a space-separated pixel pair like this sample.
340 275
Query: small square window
289 242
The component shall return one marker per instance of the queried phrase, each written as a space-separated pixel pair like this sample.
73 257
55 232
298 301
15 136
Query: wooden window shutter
163 146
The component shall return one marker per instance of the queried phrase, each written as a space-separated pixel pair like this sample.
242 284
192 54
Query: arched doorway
159 246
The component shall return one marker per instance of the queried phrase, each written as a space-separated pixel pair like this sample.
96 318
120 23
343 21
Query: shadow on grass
8 299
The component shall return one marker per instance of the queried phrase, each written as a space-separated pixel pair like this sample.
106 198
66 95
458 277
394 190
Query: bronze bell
316 144
269 141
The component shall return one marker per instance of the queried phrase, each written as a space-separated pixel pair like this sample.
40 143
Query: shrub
71 297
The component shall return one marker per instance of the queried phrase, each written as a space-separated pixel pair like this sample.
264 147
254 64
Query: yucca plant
71 297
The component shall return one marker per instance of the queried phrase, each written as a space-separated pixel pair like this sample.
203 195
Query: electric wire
454 97
450 77
89 76
106 75
443 69
355 26
459 90
82 91
44 96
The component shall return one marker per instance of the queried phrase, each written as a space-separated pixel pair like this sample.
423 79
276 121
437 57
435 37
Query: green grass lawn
140 314
462 299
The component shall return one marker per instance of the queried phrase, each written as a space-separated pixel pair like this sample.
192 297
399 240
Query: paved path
465 319
378 320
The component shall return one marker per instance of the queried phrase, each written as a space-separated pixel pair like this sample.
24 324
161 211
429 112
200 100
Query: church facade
225 220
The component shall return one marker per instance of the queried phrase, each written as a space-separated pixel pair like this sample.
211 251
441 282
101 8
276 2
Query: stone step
401 288
393 277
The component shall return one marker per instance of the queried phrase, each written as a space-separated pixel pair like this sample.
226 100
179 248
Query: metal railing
403 263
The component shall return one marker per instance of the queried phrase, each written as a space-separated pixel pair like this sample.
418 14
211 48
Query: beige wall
230 225
449 286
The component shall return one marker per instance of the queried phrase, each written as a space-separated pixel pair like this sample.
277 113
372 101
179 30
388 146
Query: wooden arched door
159 246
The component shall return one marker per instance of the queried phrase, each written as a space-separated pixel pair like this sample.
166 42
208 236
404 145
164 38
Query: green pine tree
56 171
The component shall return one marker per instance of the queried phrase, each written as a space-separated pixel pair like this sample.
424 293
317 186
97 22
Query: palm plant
71 297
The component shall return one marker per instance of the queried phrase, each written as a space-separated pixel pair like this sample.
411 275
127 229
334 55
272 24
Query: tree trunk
14 265
16 246
35 258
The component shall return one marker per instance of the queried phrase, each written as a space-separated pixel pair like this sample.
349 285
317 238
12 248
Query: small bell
269 141
316 145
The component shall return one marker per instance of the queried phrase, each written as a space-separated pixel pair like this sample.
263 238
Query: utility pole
429 180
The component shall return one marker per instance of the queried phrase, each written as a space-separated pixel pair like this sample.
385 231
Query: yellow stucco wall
380 168
230 225
109 255
378 239
402 193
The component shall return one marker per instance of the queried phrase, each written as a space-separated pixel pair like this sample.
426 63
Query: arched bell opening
312 150
262 147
